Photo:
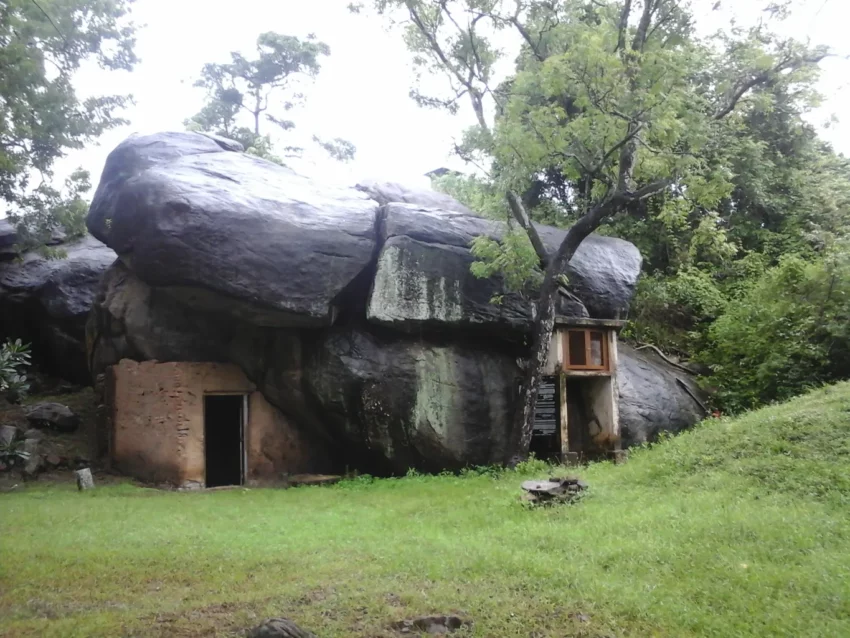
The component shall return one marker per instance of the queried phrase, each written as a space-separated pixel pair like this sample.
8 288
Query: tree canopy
613 109
42 45
244 94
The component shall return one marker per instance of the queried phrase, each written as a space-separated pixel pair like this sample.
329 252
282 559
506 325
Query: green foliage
513 258
610 98
13 454
42 44
740 527
262 90
788 332
14 360
477 194
673 312
47 212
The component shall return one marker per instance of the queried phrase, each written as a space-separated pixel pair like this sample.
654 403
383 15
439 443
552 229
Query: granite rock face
423 278
232 233
412 403
651 399
352 309
46 302
8 238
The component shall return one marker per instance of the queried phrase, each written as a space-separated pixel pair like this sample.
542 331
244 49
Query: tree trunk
257 111
519 439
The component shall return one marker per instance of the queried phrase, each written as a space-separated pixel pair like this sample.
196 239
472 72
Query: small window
586 350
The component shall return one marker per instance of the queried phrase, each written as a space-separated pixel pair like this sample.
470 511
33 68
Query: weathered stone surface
420 285
423 279
46 302
279 628
432 625
232 233
7 434
413 403
34 462
54 416
651 401
85 480
226 258
131 320
388 193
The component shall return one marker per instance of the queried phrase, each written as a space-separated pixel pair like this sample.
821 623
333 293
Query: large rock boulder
411 403
54 416
652 399
353 310
47 301
232 233
389 192
131 320
423 278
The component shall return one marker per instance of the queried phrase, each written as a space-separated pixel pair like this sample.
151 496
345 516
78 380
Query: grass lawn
738 528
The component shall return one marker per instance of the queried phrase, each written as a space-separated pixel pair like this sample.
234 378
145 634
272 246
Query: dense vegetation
619 116
737 528
41 115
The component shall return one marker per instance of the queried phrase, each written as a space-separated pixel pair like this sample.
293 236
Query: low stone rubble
54 416
431 625
553 491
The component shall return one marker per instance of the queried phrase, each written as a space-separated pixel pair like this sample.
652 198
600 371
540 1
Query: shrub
674 312
788 332
14 359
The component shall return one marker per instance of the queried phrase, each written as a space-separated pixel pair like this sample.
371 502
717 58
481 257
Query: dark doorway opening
546 435
577 416
224 418
588 414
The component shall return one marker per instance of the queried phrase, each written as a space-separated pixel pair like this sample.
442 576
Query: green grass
738 528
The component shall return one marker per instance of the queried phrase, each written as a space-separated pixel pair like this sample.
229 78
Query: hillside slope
737 528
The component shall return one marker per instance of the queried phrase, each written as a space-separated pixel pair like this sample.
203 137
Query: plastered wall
158 424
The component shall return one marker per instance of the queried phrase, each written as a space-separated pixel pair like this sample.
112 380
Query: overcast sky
362 91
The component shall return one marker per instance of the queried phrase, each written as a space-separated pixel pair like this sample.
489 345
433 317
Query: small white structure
578 415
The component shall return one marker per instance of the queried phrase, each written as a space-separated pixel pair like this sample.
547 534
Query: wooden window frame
565 346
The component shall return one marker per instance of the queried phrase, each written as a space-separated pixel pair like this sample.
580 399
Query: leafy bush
14 359
674 312
513 259
788 332
13 453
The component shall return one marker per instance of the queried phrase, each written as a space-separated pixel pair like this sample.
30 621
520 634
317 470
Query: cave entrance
590 419
225 416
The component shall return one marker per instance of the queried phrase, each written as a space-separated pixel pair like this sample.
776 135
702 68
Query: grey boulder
46 302
652 401
8 239
405 403
389 193
54 416
231 233
423 280
131 320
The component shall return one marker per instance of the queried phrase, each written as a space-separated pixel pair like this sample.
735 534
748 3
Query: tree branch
649 7
50 20
633 132
744 87
623 26
522 218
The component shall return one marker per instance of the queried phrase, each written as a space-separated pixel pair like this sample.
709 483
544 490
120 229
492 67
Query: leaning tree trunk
522 427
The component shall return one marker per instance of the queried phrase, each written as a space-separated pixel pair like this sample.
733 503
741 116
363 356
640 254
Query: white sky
361 93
